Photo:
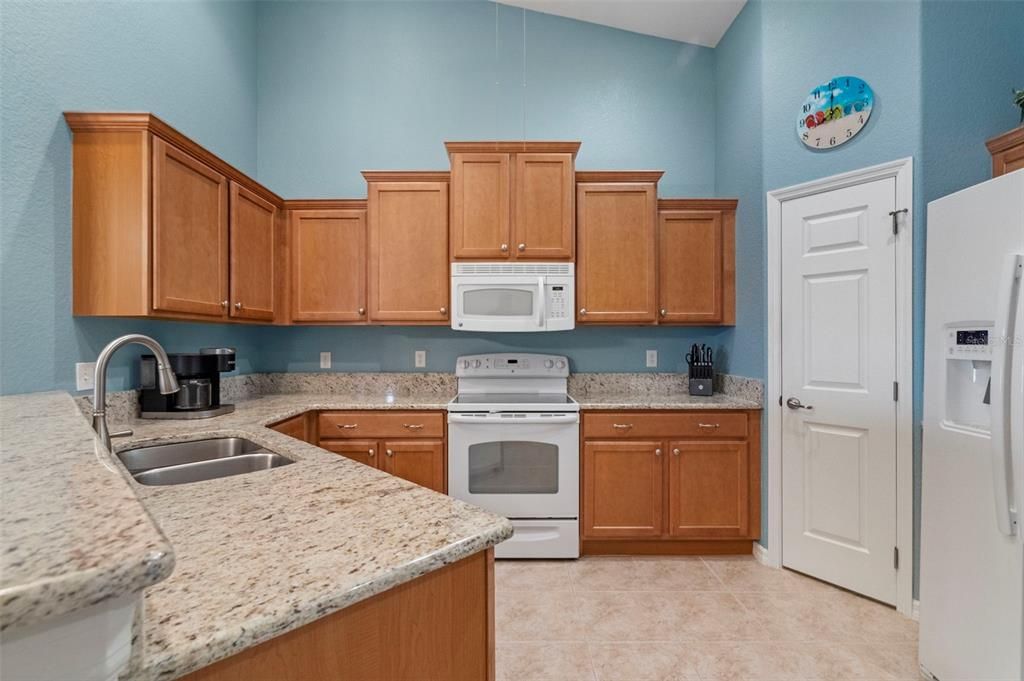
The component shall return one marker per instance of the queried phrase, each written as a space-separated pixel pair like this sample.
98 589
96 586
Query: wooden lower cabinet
670 482
363 451
419 461
438 627
297 427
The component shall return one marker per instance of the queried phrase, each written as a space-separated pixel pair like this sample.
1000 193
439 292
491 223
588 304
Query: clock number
806 135
831 141
849 133
861 119
817 141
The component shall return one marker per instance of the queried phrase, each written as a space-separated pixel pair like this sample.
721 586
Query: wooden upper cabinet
253 221
407 215
512 200
328 264
709 488
544 196
1007 151
696 261
190 234
616 263
418 461
480 211
622 489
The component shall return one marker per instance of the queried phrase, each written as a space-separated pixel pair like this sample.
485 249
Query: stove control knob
560 364
548 363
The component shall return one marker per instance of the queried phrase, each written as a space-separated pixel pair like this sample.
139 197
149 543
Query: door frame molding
903 171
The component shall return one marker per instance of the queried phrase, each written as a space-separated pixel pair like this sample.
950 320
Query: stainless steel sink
183 462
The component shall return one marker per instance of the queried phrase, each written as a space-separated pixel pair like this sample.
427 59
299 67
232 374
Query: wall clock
834 112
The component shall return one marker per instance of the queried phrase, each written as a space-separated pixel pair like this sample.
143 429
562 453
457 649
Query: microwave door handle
1002 363
541 312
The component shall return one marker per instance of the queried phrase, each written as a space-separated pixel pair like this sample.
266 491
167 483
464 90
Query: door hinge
895 391
896 557
895 215
780 400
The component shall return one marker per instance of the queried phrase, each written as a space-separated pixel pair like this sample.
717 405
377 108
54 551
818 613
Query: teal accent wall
193 63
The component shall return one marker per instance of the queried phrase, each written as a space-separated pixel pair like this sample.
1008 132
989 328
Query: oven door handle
498 419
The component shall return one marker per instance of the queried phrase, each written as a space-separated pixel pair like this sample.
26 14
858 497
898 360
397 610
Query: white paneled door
838 373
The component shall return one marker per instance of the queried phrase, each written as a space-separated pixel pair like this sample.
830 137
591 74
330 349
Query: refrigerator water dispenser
968 376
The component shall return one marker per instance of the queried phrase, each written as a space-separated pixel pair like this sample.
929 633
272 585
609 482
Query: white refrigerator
972 486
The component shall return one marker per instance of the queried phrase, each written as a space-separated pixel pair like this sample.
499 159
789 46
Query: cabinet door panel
363 451
252 255
328 265
190 234
709 489
622 489
690 266
543 211
616 262
408 223
295 427
419 461
480 219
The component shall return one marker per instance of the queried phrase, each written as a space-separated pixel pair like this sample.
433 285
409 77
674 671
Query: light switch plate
325 360
85 373
421 359
652 358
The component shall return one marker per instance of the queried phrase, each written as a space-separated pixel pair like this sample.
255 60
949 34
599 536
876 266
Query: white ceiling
702 22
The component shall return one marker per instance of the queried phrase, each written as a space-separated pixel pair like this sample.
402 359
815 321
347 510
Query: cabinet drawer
641 424
364 424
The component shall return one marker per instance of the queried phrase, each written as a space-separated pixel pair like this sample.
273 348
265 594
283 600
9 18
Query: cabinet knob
389 452
238 306
663 312
362 310
657 452
583 311
504 248
444 310
371 452
522 247
675 451
224 304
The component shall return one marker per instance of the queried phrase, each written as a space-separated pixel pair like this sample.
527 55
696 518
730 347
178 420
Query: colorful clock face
834 112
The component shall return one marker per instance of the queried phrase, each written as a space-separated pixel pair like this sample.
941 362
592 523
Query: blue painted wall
190 62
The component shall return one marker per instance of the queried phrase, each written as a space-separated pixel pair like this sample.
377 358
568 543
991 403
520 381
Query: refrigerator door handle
1016 406
1001 399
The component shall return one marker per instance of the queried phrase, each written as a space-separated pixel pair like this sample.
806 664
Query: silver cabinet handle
622 426
224 304
238 305
675 451
657 452
663 312
444 310
362 310
794 403
389 452
371 452
712 426
522 247
412 426
583 311
348 426
504 248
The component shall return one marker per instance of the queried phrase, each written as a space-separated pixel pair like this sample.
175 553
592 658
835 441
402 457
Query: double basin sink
184 462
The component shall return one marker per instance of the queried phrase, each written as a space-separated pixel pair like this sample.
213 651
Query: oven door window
513 467
498 302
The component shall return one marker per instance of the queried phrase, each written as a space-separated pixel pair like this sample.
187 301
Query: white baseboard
915 610
760 553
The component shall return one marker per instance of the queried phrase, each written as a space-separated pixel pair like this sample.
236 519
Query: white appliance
972 554
521 296
513 449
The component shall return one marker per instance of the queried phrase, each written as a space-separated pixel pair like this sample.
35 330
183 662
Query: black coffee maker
198 375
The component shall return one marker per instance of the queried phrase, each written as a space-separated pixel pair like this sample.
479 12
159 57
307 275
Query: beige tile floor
690 618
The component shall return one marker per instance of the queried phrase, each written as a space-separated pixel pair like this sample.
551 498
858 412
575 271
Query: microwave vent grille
534 268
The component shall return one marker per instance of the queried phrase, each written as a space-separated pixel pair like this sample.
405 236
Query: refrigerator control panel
969 343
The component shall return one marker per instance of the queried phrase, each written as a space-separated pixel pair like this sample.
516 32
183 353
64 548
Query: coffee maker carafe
198 376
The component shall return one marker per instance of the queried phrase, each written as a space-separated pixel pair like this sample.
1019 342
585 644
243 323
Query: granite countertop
265 553
72 529
669 400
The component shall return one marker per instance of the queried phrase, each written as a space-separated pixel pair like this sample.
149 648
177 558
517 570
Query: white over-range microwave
501 296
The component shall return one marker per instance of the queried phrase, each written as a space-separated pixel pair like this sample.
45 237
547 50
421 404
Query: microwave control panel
559 306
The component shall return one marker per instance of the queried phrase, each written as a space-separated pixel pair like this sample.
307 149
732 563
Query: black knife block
702 386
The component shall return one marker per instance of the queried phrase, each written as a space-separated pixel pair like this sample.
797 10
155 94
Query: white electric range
513 448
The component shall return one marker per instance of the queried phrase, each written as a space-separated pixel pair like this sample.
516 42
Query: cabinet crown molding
1006 140
618 175
325 204
407 175
697 204
144 121
511 147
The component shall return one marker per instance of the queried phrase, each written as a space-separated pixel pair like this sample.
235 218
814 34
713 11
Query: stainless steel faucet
166 379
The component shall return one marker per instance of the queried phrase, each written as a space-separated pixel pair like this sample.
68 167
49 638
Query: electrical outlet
421 359
85 373
652 358
325 360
